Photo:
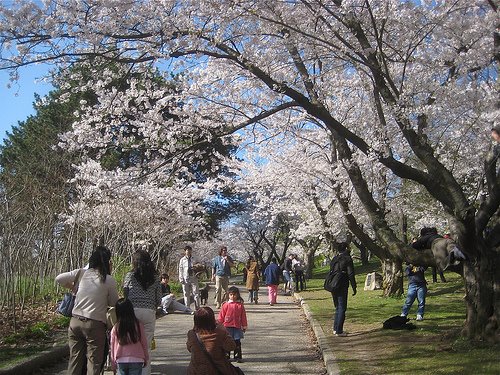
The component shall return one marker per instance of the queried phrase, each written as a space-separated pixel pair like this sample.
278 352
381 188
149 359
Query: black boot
237 352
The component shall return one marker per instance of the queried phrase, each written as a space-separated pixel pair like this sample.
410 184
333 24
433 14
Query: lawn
434 347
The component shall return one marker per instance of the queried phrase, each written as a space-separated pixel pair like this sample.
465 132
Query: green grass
10 356
435 347
31 341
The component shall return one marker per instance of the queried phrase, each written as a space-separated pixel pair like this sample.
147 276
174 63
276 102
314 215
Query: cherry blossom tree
410 87
304 180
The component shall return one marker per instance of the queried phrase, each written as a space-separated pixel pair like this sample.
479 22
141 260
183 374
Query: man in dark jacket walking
342 263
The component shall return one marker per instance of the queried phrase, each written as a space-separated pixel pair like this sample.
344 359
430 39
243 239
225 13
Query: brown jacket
217 343
252 275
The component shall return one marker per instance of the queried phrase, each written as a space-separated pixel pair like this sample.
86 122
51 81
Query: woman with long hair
207 338
87 329
142 287
128 344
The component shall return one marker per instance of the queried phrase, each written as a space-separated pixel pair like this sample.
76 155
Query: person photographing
221 271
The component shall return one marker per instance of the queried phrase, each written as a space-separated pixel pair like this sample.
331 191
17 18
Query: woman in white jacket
87 329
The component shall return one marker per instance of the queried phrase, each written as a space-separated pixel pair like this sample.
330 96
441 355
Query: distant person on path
435 273
342 263
188 278
221 271
168 300
272 276
252 282
417 289
128 343
233 316
212 338
142 287
87 328
298 270
288 286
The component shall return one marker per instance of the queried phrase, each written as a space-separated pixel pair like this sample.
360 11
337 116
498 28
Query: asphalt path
279 340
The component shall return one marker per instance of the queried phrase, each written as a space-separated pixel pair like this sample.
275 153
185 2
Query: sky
16 103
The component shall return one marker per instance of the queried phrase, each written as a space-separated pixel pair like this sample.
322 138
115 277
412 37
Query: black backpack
398 322
334 277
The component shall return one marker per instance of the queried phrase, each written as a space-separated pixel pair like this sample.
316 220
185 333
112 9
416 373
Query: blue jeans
288 285
253 295
340 303
419 292
130 368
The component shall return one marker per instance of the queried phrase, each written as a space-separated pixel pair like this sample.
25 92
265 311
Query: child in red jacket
234 317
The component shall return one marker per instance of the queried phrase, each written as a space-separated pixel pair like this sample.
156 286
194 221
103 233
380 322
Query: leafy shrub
38 330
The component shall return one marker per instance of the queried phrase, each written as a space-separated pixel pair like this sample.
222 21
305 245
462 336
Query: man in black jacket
342 263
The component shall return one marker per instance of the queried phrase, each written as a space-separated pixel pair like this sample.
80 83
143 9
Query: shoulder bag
68 302
219 372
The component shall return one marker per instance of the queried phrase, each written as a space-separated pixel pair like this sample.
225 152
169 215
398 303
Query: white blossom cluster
392 78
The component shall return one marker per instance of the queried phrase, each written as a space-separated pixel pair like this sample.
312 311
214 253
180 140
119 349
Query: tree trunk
310 264
482 297
392 272
363 252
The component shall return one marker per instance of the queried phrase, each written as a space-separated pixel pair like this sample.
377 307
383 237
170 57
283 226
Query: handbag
68 302
219 372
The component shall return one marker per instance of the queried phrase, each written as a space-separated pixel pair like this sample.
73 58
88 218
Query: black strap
202 346
76 283
335 265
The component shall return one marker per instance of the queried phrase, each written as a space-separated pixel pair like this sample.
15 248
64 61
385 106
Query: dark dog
399 322
204 294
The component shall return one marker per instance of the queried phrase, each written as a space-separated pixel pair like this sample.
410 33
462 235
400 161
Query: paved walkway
279 340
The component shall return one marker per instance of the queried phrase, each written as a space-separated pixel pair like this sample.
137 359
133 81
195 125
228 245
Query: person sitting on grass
168 300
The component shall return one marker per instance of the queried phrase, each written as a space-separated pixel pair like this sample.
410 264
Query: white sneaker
403 315
420 317
343 334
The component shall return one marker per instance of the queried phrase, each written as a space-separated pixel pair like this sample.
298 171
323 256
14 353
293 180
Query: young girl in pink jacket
128 344
234 317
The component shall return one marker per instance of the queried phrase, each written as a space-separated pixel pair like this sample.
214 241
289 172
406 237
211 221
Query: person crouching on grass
234 317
